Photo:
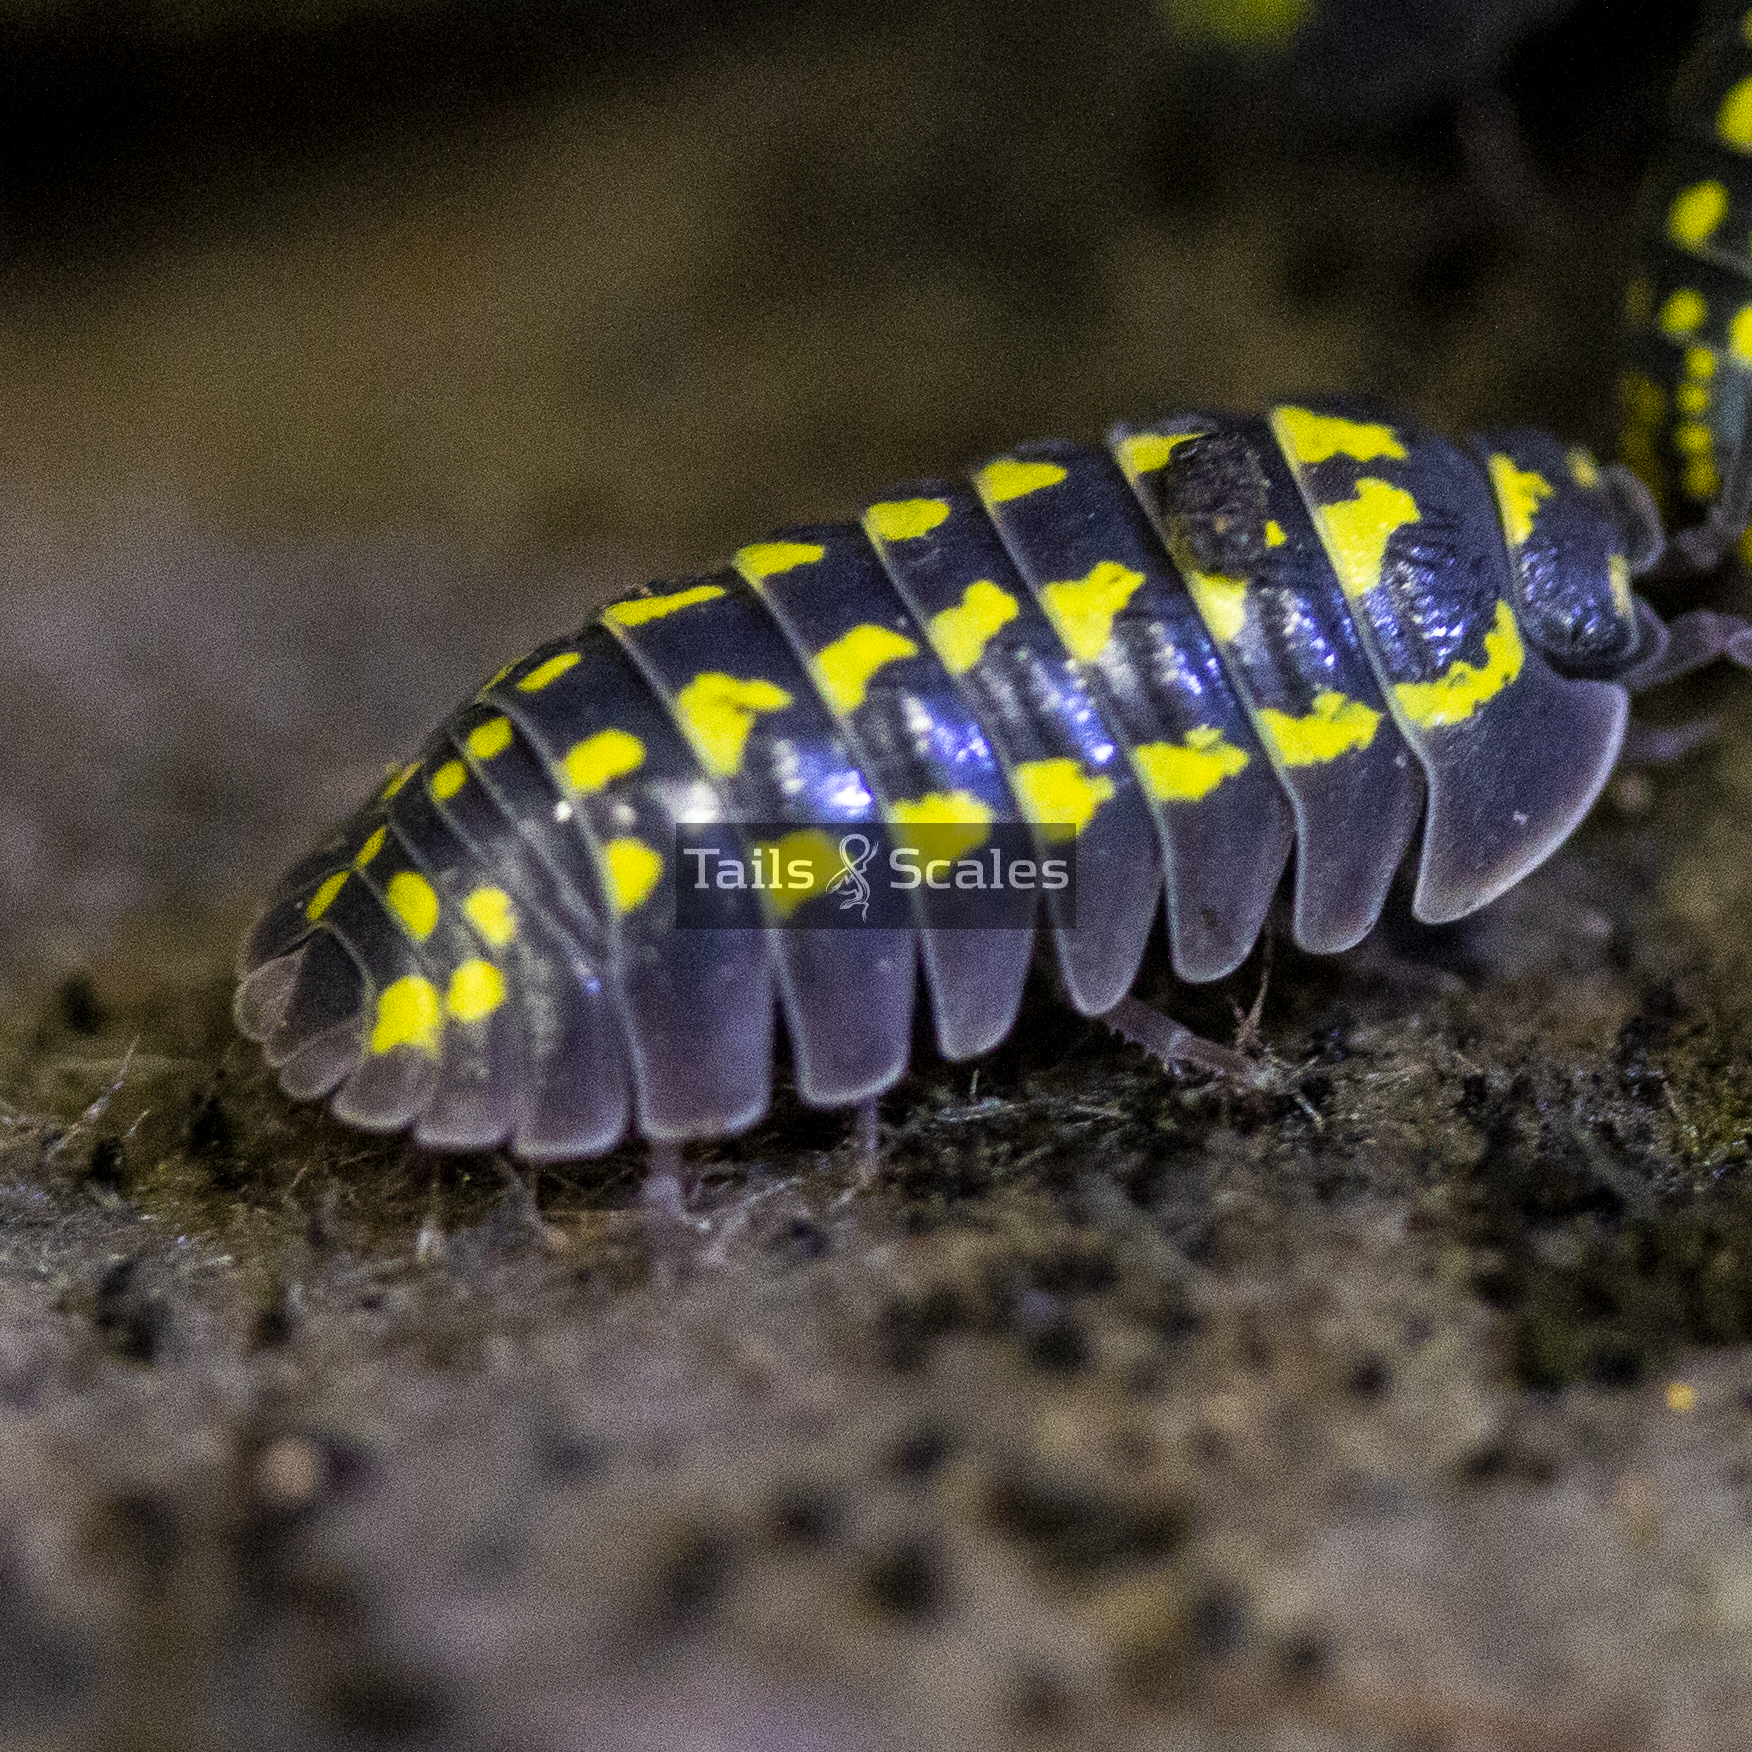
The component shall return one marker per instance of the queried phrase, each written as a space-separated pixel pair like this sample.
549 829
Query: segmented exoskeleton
1170 659
1688 310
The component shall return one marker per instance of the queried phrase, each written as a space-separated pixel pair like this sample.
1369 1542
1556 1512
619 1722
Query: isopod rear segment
1173 660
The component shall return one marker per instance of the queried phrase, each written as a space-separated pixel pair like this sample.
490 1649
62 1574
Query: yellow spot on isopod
491 913
942 824
1693 438
633 868
1221 602
1518 493
718 712
1308 437
961 634
640 609
371 847
412 899
805 863
1335 726
600 759
1734 118
1010 478
1455 696
1700 363
1082 609
1681 1397
844 669
449 779
477 989
1703 480
905 519
767 559
320 902
546 674
1144 452
1274 533
1691 398
1618 577
1584 470
1185 771
400 779
408 1015
1740 335
1695 213
1058 796
1357 531
491 738
1684 313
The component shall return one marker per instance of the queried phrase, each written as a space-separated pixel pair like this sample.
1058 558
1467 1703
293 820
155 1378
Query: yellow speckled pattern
719 710
767 559
1618 573
1186 771
1684 313
1308 437
372 846
1740 335
905 519
477 989
400 779
408 1014
448 780
490 738
633 870
1695 212
960 635
1222 602
1335 726
412 900
546 674
600 759
323 899
1274 533
1010 478
491 913
809 847
944 824
1143 452
1058 796
1357 531
1518 493
1734 118
1584 470
649 608
1082 609
1454 697
843 670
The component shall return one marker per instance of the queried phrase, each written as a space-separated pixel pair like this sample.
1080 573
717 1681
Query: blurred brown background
653 276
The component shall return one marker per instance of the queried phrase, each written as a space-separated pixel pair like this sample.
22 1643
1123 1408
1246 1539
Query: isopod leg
1688 642
869 1138
667 1182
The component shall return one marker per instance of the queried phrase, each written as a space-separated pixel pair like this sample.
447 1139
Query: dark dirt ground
1408 1404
